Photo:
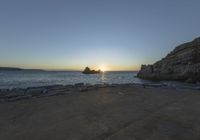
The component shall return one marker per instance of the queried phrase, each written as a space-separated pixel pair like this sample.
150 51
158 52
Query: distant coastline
18 69
22 69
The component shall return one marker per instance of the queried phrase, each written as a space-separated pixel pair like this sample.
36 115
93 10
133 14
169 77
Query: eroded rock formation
87 70
183 63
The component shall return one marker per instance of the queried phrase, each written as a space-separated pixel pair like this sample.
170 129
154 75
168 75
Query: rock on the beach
183 63
35 91
79 84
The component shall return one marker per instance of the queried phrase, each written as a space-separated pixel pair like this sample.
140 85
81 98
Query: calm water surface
24 79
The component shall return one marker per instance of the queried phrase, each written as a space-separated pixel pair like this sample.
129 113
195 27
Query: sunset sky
107 34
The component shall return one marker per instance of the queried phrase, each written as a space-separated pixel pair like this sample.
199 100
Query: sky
106 34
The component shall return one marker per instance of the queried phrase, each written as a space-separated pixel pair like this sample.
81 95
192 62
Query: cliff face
183 63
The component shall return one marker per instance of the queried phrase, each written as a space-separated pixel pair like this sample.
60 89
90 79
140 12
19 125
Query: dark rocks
16 98
84 89
45 91
183 64
35 91
56 90
79 84
17 94
190 80
87 70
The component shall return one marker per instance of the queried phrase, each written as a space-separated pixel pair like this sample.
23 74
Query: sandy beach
121 112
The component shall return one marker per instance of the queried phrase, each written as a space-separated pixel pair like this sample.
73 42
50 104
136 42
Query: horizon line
37 69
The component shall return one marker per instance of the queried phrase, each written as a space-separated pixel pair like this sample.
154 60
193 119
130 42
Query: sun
103 68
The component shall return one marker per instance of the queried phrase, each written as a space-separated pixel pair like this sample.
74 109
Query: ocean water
24 79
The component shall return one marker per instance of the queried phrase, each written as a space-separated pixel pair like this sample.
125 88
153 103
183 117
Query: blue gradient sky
72 34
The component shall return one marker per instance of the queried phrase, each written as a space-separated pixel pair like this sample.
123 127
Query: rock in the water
183 63
87 70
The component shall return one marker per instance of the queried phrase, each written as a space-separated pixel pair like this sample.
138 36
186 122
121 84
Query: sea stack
87 70
182 64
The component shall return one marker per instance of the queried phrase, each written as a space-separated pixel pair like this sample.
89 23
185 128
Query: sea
24 79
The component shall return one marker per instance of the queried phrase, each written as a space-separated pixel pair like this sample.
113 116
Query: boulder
183 63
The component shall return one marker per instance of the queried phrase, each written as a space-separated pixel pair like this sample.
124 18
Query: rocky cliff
183 63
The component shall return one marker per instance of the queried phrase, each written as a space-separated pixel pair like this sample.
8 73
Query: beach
100 112
99 70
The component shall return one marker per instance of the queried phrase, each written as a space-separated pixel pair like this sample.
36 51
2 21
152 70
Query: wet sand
107 113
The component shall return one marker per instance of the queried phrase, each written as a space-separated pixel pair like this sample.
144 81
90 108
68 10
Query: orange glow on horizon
80 68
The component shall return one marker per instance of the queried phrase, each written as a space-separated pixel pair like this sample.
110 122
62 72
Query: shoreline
101 112
16 94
